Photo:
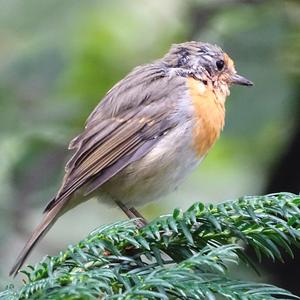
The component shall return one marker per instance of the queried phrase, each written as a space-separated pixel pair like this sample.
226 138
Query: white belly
157 173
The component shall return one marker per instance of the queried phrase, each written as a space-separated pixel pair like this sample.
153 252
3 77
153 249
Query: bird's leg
138 215
126 210
130 214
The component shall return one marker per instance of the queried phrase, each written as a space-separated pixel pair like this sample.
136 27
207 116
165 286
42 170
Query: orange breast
209 116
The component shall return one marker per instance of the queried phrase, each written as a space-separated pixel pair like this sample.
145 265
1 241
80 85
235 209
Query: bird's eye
220 64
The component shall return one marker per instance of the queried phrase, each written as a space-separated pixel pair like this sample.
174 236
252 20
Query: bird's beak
238 79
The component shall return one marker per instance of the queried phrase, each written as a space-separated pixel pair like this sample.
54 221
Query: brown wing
119 132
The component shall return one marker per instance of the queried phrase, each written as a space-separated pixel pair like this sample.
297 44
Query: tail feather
48 220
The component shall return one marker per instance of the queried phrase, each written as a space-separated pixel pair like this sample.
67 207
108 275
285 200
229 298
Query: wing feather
121 130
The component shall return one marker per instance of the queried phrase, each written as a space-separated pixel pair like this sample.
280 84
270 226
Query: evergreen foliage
179 256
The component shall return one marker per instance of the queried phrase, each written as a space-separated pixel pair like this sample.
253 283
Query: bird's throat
209 115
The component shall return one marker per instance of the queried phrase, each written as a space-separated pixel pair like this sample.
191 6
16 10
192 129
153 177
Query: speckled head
204 61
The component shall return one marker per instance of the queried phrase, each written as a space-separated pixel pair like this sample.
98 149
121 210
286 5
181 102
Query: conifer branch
179 256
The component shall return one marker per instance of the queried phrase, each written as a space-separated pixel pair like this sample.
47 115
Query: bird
149 131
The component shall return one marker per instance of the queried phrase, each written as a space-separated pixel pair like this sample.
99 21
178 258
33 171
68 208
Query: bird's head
206 62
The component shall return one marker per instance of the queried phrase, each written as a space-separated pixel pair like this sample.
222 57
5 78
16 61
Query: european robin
149 131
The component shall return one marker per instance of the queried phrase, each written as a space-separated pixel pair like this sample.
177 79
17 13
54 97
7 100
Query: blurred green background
58 58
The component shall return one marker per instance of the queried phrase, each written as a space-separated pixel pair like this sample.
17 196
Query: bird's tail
48 220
